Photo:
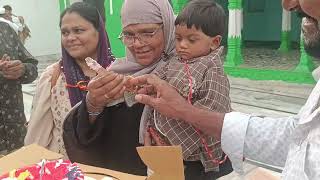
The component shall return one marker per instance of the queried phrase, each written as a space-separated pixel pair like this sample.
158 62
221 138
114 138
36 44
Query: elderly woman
100 132
17 66
103 131
62 85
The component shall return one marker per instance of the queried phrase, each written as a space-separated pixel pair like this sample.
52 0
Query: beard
311 40
312 43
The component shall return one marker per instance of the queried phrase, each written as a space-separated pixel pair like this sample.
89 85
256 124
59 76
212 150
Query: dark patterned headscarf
72 70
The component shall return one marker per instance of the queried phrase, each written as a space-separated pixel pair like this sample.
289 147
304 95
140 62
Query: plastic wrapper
46 170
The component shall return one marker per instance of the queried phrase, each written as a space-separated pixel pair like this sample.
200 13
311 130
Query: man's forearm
210 123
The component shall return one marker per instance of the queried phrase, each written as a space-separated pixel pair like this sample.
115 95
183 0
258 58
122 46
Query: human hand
167 101
160 95
13 69
104 88
152 138
4 62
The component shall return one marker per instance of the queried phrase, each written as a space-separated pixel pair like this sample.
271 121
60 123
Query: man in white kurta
292 142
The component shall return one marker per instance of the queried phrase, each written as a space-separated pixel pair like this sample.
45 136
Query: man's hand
160 95
166 100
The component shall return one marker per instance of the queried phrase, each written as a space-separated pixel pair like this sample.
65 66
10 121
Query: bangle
91 106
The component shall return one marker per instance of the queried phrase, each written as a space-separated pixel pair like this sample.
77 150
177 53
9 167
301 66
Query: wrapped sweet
93 64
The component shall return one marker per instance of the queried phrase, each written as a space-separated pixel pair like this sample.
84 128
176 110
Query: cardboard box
166 162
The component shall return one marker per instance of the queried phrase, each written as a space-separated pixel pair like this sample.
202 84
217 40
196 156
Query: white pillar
73 1
234 55
286 20
111 6
285 31
235 23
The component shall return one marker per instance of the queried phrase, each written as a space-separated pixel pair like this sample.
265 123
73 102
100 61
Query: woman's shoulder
50 71
53 67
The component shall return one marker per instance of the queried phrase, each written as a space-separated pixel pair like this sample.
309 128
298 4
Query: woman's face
148 46
78 36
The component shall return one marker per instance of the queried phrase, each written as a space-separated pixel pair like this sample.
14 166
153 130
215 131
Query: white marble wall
42 17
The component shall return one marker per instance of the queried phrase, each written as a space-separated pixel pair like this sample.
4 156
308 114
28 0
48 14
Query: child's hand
128 85
152 138
129 93
132 85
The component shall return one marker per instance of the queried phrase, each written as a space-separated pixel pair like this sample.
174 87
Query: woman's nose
71 37
290 4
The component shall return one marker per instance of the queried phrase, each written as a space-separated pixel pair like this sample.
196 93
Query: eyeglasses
144 38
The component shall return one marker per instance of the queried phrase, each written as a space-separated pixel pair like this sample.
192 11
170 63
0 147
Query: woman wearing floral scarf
63 84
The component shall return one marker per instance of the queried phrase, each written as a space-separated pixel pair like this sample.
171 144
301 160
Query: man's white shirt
291 142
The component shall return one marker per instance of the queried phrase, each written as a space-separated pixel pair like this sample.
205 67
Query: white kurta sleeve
262 139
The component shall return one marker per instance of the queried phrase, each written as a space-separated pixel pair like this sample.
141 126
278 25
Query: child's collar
217 52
